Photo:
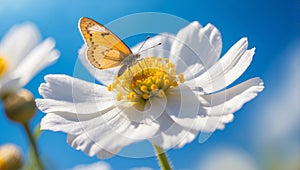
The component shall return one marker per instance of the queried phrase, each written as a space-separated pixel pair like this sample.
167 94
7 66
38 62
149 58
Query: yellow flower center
149 77
3 66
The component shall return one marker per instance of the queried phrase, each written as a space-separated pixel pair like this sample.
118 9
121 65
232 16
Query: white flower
167 101
21 57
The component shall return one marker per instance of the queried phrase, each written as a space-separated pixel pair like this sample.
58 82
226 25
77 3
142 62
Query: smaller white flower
167 98
22 56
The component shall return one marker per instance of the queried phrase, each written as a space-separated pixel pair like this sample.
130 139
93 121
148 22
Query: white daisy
22 56
167 101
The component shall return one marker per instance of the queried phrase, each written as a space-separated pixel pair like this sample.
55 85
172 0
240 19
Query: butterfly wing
105 49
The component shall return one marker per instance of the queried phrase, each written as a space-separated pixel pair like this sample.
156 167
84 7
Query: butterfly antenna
143 43
151 47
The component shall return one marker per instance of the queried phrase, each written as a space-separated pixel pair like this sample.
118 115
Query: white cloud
231 159
141 168
279 114
277 125
93 166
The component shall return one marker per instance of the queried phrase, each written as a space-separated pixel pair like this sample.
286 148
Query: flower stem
33 145
162 158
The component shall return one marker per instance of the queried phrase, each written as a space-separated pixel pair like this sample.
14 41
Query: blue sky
272 26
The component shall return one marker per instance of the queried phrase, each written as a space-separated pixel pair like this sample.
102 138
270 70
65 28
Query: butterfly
105 49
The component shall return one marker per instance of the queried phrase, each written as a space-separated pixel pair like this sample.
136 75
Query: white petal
64 87
171 134
231 100
89 107
63 122
9 83
211 123
106 77
154 108
108 132
40 57
214 37
196 49
103 154
18 42
187 110
91 149
184 107
162 50
222 105
228 69
209 58
63 93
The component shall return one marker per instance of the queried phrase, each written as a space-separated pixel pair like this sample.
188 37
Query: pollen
166 60
3 66
153 87
110 87
181 78
119 97
167 82
149 77
131 95
146 96
143 88
174 83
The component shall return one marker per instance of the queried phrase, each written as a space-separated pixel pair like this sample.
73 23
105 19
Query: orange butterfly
105 49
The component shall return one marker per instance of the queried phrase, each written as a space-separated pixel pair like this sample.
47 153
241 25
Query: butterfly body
128 62
105 49
131 59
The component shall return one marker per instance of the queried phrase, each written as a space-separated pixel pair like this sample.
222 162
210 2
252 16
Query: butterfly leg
130 72
144 61
141 67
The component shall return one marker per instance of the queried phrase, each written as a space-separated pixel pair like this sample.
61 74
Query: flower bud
10 157
20 106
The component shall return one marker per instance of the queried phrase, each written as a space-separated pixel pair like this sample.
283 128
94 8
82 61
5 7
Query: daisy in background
22 55
175 92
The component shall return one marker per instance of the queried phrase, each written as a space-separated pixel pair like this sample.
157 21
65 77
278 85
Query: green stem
162 158
33 145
